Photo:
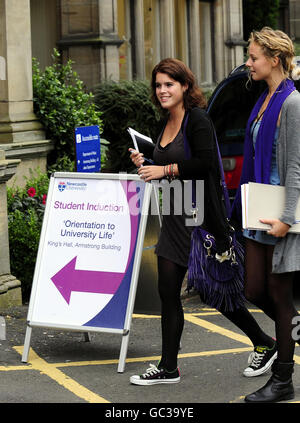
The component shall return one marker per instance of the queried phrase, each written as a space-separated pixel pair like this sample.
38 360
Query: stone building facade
124 39
117 39
294 14
105 39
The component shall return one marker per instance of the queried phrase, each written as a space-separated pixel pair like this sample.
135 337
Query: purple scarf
257 165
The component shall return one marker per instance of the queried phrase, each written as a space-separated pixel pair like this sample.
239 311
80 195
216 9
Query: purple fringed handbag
218 279
219 283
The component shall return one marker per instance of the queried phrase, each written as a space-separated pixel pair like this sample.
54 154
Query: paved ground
63 368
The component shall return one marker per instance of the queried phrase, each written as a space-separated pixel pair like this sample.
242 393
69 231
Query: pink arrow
68 279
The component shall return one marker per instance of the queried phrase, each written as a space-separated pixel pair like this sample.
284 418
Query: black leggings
272 293
170 279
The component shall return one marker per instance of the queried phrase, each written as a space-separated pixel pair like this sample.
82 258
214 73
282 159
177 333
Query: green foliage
104 153
61 104
124 104
257 14
62 164
25 209
65 164
24 235
297 48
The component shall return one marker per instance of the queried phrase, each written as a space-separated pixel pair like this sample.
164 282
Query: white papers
142 144
137 136
264 201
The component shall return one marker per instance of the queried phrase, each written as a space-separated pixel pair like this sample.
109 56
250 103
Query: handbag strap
188 155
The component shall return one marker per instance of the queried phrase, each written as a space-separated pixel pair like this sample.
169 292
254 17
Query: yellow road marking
213 312
215 352
146 316
218 329
205 312
297 359
151 358
12 368
42 366
52 371
29 366
222 331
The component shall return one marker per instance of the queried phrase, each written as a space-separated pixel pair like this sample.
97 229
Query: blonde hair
275 43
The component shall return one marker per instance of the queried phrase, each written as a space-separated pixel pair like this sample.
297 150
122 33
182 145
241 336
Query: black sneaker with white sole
260 360
155 376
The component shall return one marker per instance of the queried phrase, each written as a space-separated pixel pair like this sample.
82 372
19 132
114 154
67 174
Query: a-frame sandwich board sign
89 255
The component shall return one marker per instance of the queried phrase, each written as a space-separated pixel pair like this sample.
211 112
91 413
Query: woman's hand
278 228
147 173
136 157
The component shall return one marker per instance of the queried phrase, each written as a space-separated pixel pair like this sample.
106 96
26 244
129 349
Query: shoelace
255 358
151 371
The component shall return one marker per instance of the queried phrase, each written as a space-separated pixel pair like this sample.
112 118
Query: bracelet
170 172
173 171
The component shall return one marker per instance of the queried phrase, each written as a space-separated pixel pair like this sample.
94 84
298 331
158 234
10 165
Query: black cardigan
204 165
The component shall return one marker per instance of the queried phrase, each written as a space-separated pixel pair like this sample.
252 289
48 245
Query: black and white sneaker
260 360
154 376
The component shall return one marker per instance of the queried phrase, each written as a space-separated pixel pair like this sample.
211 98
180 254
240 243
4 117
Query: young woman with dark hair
176 94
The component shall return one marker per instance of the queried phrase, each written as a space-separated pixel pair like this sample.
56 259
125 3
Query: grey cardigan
286 256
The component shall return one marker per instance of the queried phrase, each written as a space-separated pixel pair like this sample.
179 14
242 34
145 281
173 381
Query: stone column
89 37
139 40
228 36
235 40
195 59
220 49
167 29
109 52
21 135
10 287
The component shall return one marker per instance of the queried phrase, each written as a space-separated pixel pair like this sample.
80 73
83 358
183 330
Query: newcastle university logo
61 186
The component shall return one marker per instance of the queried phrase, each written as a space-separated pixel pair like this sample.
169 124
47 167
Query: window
139 28
230 110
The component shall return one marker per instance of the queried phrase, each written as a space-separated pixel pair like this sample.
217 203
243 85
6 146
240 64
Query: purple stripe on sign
113 314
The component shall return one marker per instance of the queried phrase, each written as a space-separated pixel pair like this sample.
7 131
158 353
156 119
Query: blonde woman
272 156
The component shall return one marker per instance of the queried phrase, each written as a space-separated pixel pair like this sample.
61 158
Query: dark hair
178 71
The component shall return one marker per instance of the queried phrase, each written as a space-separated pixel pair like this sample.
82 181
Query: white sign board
89 254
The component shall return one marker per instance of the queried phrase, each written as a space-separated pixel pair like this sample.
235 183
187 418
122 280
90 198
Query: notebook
142 143
264 201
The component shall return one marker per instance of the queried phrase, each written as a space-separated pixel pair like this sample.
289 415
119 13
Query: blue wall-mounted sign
87 146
